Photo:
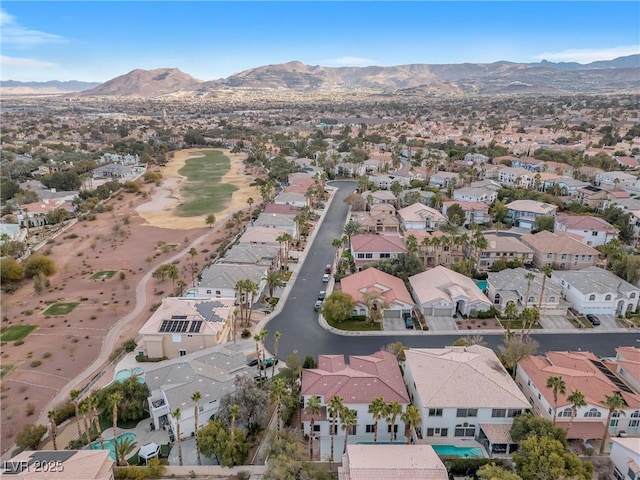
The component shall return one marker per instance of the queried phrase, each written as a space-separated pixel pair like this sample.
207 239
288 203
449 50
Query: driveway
555 322
393 324
441 323
607 322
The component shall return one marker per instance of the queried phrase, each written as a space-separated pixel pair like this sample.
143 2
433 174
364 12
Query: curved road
302 334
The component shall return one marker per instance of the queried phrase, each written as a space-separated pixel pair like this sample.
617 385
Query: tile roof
583 429
255 234
440 283
377 243
505 244
363 379
76 465
465 205
585 222
594 280
558 242
419 212
532 206
281 208
390 288
462 377
212 312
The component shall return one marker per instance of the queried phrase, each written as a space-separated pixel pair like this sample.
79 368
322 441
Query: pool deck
456 442
143 433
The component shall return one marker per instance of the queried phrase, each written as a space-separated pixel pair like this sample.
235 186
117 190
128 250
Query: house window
565 413
513 412
360 255
563 256
631 474
182 352
594 234
435 412
465 430
385 255
368 255
633 295
608 297
593 413
217 292
592 297
496 299
614 422
499 412
395 429
549 256
370 428
532 300
316 428
209 292
333 429
467 412
551 299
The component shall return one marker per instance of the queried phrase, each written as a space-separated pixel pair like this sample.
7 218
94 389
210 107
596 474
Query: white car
325 278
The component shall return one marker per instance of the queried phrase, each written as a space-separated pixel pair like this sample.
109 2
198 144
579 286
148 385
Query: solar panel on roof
178 317
611 376
183 326
195 326
165 325
174 326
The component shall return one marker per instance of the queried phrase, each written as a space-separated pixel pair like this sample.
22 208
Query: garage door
442 312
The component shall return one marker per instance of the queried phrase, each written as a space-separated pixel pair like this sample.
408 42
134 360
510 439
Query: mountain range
620 74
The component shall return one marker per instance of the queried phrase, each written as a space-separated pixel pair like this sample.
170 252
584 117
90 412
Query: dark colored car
408 321
253 362
593 320
268 363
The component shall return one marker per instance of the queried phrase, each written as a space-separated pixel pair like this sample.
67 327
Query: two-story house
443 179
523 213
464 393
420 217
501 247
369 248
614 180
512 286
219 280
515 177
381 218
593 231
474 212
476 194
562 250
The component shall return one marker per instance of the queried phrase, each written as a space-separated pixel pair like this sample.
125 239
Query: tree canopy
545 458
338 307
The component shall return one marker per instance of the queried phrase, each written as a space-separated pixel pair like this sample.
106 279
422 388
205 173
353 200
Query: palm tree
577 401
336 405
84 412
349 419
74 394
252 290
195 398
546 272
172 273
177 414
392 411
92 402
115 399
285 242
240 291
377 409
612 402
411 417
273 279
123 448
263 336
276 341
351 228
336 243
256 338
193 252
313 409
250 202
558 386
278 391
54 430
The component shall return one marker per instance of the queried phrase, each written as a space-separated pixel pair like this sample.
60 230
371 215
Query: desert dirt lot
56 356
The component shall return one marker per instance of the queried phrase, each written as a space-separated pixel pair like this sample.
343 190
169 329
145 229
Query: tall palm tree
193 252
195 398
392 411
377 409
577 401
92 402
511 311
115 399
612 402
256 338
285 242
313 409
252 290
84 412
74 394
263 337
349 419
276 341
123 448
54 427
277 392
546 272
411 417
336 243
177 414
273 279
336 405
558 386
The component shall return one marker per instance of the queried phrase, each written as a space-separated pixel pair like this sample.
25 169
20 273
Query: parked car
325 278
322 295
317 305
593 320
327 269
253 362
408 321
268 363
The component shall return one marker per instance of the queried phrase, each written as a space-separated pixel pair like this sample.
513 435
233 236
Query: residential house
528 163
33 215
627 162
591 196
501 247
595 290
292 196
384 182
369 248
381 218
614 180
115 170
464 393
413 195
378 196
625 456
420 217
593 231
568 186
282 209
382 291
253 254
474 212
127 159
185 325
476 158
279 221
262 236
219 280
443 292
409 462
11 232
357 383
515 177
172 382
60 465
523 213
562 250
627 363
476 194
443 179
584 372
512 286
438 248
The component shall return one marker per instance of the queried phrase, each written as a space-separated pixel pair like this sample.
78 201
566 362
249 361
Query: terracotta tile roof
391 288
583 429
497 432
481 206
419 212
281 208
442 283
558 242
532 206
363 379
377 243
585 222
385 462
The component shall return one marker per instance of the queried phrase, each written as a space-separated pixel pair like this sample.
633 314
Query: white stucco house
420 217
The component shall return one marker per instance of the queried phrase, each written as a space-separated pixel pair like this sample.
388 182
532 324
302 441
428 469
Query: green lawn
16 332
61 308
356 326
203 191
103 275
5 369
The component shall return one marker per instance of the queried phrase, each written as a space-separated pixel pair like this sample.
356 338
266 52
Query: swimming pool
108 444
124 374
453 451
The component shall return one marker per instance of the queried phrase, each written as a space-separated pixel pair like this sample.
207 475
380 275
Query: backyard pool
453 451
124 374
108 444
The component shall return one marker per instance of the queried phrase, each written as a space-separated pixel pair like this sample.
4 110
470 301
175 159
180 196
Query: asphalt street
302 334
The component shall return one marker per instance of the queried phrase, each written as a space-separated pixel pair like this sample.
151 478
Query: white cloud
24 62
14 34
589 55
350 61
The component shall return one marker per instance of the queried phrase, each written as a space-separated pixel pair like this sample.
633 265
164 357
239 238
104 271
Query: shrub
130 345
29 437
246 333
36 363
30 409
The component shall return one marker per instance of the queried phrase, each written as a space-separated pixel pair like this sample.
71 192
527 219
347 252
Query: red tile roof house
371 248
463 393
593 231
585 372
357 383
372 282
474 212
563 250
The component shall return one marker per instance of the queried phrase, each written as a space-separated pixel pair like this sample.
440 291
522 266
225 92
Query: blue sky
96 41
